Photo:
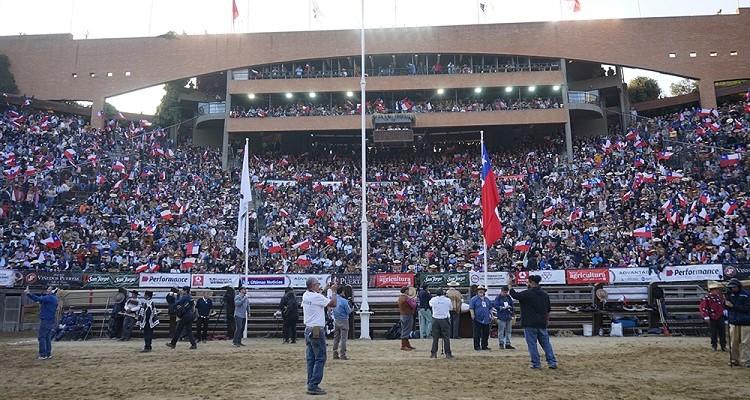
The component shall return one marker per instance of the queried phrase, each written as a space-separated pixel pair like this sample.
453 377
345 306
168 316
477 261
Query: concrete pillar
707 92
564 91
96 106
225 134
625 119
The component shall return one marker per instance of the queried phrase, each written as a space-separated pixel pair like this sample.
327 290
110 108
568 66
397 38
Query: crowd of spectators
306 109
673 190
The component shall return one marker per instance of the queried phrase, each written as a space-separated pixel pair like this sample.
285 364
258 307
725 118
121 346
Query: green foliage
642 89
684 86
169 35
728 83
110 111
7 81
168 112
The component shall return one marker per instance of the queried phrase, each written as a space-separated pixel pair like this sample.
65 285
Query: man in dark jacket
504 305
738 313
186 316
48 304
535 310
203 306
289 308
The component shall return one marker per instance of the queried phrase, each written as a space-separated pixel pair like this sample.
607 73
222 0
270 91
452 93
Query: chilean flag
166 214
681 198
145 267
118 166
549 221
331 240
627 195
667 205
644 232
320 212
303 245
283 213
674 176
69 153
705 198
192 248
729 207
491 225
704 214
303 260
638 162
549 211
631 135
508 190
524 245
401 194
188 262
729 160
664 155
53 242
275 247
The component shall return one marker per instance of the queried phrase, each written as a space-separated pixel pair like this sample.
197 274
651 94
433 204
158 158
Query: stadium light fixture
440 91
532 88
556 88
75 75
509 89
312 95
127 73
91 74
251 96
288 95
478 90
349 94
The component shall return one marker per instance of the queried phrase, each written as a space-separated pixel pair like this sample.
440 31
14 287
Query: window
693 54
733 53
109 74
127 73
713 54
672 55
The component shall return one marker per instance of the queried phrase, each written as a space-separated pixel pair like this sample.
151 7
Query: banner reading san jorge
442 279
106 280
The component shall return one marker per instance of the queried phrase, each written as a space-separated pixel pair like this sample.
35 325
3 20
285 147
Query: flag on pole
491 225
235 12
246 196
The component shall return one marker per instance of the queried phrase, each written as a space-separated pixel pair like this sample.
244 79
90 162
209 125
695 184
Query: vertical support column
625 118
96 106
564 90
225 134
707 93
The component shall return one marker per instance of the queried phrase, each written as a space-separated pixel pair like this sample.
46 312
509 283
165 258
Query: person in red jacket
712 311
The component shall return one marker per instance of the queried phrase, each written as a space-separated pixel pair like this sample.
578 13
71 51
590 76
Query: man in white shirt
441 327
313 311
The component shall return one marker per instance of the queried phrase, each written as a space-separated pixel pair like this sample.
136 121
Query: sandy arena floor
590 368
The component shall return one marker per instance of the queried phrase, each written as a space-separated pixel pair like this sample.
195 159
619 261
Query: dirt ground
590 368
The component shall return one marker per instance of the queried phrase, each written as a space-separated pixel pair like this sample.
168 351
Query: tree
7 81
684 86
110 111
168 112
642 89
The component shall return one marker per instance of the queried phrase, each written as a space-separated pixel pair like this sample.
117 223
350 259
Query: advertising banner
107 280
62 280
686 273
8 277
494 279
739 271
586 276
265 281
630 275
394 280
300 280
164 280
355 280
549 277
442 279
214 281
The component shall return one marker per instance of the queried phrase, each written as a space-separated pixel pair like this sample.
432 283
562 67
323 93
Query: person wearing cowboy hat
737 303
132 307
479 307
116 317
147 320
712 311
535 311
456 299
407 305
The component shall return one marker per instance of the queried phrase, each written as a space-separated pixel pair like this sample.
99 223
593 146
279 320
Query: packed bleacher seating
673 190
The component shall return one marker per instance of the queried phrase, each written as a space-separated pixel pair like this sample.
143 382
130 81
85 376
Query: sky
139 18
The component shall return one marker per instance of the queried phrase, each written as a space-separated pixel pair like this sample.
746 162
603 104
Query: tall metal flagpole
364 308
484 242
245 160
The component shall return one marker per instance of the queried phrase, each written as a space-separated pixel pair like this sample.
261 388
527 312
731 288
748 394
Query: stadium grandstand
586 183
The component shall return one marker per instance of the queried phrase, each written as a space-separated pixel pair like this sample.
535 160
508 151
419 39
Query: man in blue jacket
738 313
48 303
186 313
504 305
66 326
341 324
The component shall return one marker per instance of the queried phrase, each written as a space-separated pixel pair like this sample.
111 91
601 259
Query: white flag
246 196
